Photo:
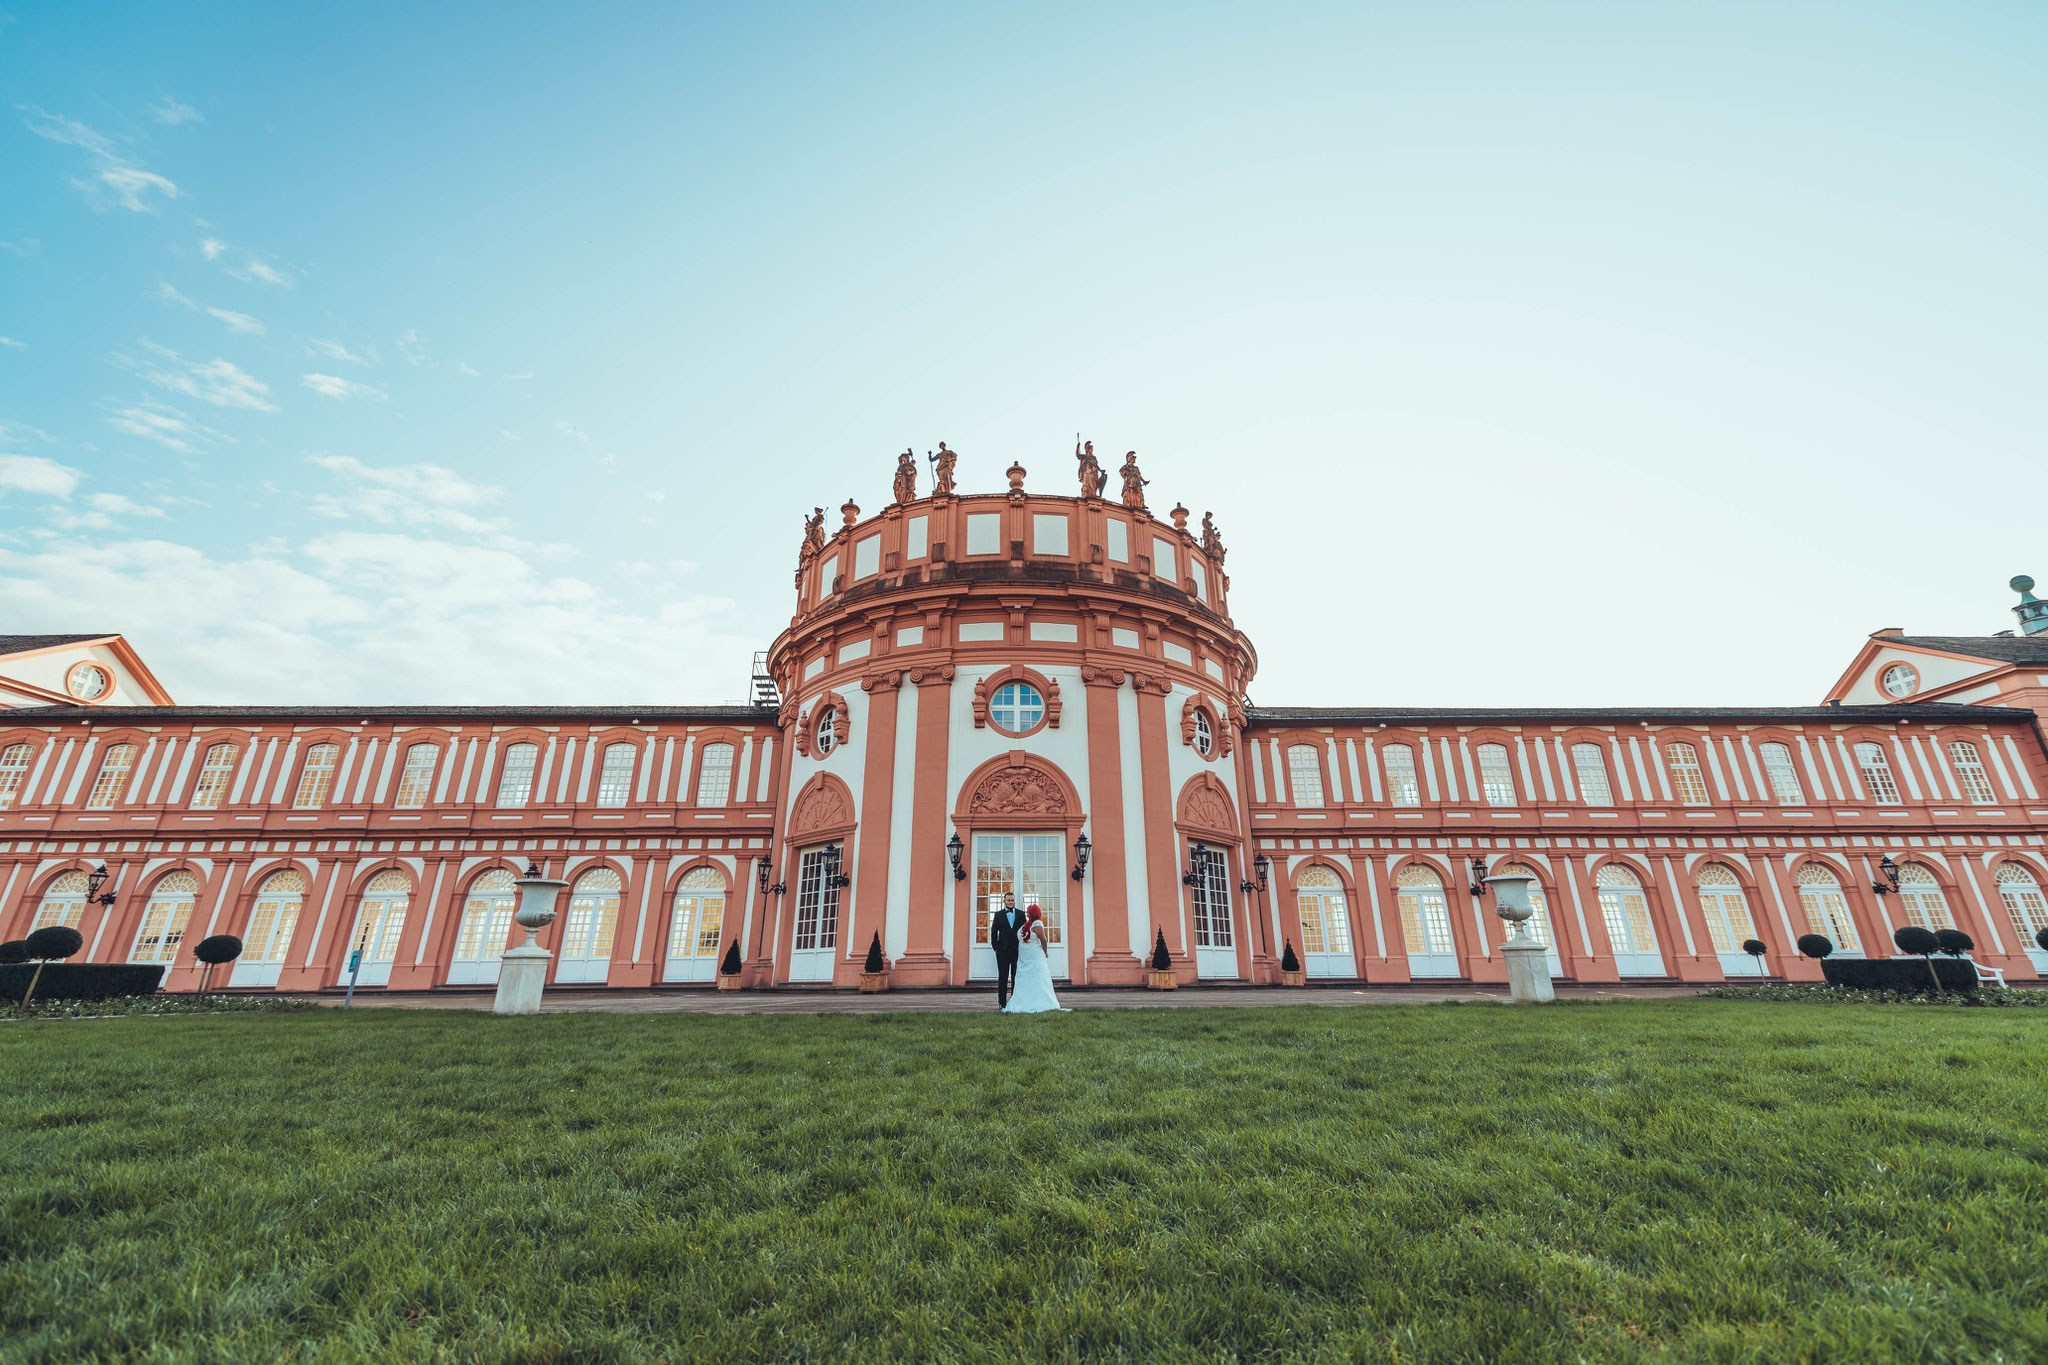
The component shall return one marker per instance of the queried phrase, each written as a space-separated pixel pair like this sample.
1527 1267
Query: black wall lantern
956 849
1891 875
761 872
1479 876
1191 876
1260 865
94 880
833 876
1081 850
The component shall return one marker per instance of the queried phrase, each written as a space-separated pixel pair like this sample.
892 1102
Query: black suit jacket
1004 929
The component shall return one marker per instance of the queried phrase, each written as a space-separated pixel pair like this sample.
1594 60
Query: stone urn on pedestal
1528 961
523 971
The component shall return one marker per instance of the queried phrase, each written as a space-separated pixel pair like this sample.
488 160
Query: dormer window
1900 680
87 682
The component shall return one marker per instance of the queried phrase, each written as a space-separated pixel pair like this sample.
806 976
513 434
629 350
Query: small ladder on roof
763 692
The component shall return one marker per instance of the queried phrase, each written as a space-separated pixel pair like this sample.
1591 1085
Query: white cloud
68 131
34 474
260 272
334 386
165 425
428 495
211 247
219 382
655 496
12 344
333 350
523 374
116 504
463 366
175 112
14 431
573 433
169 294
130 184
238 322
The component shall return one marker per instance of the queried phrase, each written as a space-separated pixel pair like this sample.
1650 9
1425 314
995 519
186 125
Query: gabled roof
23 644
2011 649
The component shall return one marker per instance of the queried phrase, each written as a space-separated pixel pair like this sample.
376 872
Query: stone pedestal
1528 970
522 972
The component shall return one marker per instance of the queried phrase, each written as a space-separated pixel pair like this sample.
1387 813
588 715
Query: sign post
355 968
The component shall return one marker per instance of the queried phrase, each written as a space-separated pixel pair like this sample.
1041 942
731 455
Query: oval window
1016 707
1900 680
828 731
1204 738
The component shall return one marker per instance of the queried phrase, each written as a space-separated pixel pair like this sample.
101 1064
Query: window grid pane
817 906
593 917
1402 789
1784 777
714 778
699 923
108 787
1827 910
63 903
1920 897
417 778
1626 911
164 918
1496 779
515 781
1539 923
1017 706
317 777
1877 774
1686 778
1592 773
1305 775
13 771
1212 901
615 779
2023 901
382 918
214 773
275 916
1976 783
487 917
1727 913
1425 915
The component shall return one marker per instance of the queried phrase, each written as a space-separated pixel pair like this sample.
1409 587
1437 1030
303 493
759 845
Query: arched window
1325 921
1402 788
615 778
112 782
515 775
416 779
2023 901
316 779
1686 778
825 736
1626 912
1827 910
1425 915
1970 772
1205 738
1305 775
699 923
1496 779
1877 773
1539 923
88 682
1591 768
63 902
164 918
276 914
588 928
486 928
1784 777
714 775
214 771
13 772
1920 896
1016 707
381 919
1727 913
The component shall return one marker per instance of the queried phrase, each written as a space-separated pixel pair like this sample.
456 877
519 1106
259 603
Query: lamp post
94 880
1528 961
523 971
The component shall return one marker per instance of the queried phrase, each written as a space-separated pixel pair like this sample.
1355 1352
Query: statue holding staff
1089 470
942 470
1134 482
906 477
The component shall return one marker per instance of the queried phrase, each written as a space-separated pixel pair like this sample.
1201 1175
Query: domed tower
1013 691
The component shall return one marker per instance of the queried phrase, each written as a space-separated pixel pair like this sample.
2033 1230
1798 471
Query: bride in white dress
1033 993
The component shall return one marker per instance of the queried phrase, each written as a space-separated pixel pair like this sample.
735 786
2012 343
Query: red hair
1032 915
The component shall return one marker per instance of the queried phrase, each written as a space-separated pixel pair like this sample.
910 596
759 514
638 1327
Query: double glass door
1033 867
814 946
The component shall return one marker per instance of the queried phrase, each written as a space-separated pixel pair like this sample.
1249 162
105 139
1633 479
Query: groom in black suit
1005 928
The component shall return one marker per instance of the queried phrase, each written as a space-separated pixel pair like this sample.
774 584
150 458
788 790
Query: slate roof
1623 715
2010 649
21 644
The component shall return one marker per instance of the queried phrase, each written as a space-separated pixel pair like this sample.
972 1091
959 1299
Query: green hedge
1900 974
81 980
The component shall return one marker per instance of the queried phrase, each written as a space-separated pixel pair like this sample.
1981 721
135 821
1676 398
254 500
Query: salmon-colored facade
1020 692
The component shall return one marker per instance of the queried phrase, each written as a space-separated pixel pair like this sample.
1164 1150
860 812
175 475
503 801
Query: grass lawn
1696 1179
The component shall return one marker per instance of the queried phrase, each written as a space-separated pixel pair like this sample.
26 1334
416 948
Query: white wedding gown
1033 992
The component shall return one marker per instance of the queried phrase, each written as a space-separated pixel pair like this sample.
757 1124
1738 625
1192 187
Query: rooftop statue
906 477
1211 540
942 470
814 532
1134 482
1091 473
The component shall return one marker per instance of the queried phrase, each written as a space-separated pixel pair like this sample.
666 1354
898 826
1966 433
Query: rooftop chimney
1888 630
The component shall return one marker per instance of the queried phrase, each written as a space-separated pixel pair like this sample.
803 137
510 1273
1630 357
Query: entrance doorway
1034 868
814 946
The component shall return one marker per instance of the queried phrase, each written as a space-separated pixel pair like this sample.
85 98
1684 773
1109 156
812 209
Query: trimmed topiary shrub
1954 942
1288 961
1899 975
214 951
1920 942
729 965
1816 946
1755 947
16 950
875 963
2040 937
81 980
46 945
1162 961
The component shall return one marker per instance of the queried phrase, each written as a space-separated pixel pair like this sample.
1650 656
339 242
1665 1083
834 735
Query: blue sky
1526 353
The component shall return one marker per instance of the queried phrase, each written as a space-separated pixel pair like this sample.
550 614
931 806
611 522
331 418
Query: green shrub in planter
1161 959
874 963
1816 946
729 965
1288 961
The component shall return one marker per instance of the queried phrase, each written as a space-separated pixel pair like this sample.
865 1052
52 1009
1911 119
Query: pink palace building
1019 690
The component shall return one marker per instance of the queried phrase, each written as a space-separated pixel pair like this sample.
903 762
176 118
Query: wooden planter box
728 983
871 982
1294 978
1168 980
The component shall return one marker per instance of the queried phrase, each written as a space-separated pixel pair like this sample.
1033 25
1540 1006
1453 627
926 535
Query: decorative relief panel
1018 790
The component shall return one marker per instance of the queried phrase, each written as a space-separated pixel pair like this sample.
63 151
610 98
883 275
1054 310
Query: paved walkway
826 1001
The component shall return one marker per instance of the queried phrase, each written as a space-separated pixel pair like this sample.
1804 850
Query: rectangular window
985 533
515 779
1592 773
1402 788
13 772
1495 777
1048 533
1784 777
1305 775
1877 774
1212 901
317 777
714 778
1119 541
1163 560
914 541
867 557
214 772
1686 778
615 780
1970 773
416 779
817 904
112 782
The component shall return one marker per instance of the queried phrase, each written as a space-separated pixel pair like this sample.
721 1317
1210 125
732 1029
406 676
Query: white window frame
1877 772
1594 786
1496 774
615 773
416 776
1305 775
714 778
515 777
